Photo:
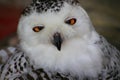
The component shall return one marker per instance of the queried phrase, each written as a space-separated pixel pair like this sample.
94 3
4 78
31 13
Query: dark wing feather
17 67
111 61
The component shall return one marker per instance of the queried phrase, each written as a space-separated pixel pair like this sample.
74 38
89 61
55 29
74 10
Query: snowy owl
59 42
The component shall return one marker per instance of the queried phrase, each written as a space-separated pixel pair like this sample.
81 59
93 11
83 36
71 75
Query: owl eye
38 28
71 21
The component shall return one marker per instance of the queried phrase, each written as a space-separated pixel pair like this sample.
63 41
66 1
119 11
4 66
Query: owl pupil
71 21
37 28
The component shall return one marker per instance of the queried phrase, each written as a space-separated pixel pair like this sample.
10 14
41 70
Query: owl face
54 28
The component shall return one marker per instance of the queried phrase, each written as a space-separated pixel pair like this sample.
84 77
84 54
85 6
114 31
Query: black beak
57 40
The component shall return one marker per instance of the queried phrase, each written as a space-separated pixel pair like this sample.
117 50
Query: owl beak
57 40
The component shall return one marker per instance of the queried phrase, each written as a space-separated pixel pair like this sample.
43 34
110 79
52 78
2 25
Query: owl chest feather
76 57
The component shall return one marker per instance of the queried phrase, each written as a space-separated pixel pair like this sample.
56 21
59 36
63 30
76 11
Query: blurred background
105 15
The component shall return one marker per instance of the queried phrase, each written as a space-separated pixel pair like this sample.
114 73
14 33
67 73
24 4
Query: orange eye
71 21
38 28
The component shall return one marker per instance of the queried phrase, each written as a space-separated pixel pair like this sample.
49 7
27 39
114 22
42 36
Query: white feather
78 56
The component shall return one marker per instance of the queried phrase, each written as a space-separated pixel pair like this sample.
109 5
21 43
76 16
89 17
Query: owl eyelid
71 21
38 28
